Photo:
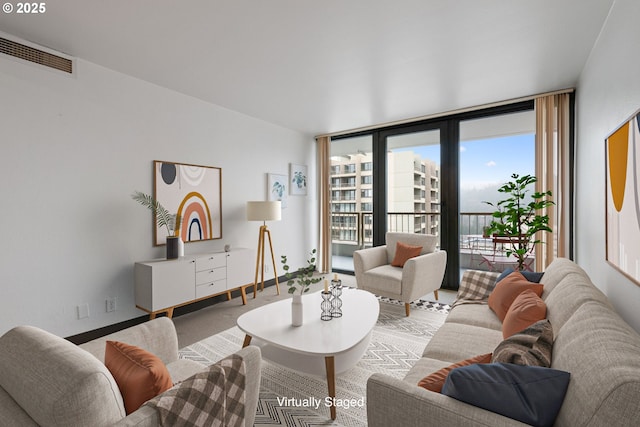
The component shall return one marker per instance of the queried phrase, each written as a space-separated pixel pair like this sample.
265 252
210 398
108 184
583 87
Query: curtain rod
446 113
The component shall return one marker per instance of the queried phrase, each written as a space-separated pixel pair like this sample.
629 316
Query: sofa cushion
530 394
531 347
140 375
507 290
435 381
427 241
56 382
454 342
567 296
385 278
478 314
403 253
527 309
558 270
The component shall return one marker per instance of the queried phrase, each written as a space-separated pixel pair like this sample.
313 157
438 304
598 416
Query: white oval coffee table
318 347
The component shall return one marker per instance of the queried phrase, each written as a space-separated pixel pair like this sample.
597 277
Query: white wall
73 149
608 94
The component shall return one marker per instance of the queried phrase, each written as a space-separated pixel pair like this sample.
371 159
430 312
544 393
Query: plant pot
296 310
173 247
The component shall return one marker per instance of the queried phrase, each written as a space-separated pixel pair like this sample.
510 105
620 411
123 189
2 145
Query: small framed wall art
277 188
194 194
298 179
623 198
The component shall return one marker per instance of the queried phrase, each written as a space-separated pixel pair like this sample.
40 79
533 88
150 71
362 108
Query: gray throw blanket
213 397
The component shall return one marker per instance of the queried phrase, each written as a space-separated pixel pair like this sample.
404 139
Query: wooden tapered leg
247 341
273 260
407 308
243 294
259 256
329 363
262 262
436 294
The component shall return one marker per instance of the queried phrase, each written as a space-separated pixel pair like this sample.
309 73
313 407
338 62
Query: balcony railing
355 230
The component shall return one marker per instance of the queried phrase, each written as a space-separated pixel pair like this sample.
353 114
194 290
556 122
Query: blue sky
489 161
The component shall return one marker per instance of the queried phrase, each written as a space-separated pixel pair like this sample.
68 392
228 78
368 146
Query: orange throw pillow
507 290
139 374
435 381
404 252
526 309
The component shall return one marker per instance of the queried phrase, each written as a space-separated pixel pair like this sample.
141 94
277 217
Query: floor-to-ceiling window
413 178
491 150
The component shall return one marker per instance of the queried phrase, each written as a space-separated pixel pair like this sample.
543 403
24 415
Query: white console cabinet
162 285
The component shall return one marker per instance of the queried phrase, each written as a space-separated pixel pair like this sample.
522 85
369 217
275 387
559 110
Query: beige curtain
552 171
324 187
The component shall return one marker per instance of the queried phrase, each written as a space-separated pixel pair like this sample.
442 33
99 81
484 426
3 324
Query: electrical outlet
111 304
83 311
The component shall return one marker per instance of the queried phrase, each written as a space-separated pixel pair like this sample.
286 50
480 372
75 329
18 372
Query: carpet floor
397 342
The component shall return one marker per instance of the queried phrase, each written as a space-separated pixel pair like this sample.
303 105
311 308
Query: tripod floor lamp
264 211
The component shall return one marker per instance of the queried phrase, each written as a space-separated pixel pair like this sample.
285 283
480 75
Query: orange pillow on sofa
507 290
435 381
139 374
404 252
526 309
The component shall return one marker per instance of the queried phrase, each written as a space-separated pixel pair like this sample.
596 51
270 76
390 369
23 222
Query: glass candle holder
325 305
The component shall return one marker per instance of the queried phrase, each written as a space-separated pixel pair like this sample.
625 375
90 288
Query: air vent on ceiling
30 54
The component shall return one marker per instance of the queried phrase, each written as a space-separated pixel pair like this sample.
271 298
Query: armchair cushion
404 252
427 241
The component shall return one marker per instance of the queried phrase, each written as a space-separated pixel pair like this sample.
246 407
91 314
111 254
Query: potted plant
175 246
517 218
299 284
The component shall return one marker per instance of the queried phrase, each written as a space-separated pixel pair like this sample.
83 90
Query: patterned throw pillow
475 286
531 347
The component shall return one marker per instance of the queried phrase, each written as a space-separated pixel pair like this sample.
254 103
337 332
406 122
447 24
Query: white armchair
419 275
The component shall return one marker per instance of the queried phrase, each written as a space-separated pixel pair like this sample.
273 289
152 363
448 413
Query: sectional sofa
590 341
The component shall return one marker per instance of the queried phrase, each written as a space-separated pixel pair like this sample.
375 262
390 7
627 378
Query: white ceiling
330 65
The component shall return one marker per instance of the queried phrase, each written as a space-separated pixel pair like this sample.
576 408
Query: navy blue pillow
530 394
531 276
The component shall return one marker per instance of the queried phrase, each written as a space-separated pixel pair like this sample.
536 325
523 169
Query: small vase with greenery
163 219
518 219
303 277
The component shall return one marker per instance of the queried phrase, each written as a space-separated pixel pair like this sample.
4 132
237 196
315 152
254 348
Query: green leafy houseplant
517 217
303 277
163 217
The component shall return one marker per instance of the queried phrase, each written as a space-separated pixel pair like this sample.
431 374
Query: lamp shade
264 211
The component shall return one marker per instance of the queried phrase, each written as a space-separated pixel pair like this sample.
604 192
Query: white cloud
490 164
463 149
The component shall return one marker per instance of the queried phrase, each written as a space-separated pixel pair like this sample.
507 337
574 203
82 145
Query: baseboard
179 311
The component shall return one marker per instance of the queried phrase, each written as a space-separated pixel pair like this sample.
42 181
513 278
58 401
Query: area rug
397 342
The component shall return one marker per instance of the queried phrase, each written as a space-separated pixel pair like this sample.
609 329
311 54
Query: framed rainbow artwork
623 198
194 194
